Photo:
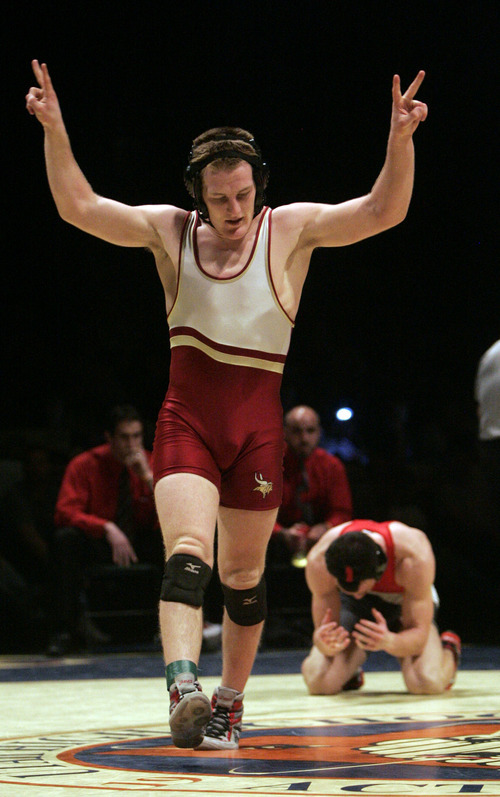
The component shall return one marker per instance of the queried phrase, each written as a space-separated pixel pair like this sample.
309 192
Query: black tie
304 506
124 518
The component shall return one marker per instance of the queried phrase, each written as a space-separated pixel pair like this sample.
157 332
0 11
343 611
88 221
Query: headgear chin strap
193 179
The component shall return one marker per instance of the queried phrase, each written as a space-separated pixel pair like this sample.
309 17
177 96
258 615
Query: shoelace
220 723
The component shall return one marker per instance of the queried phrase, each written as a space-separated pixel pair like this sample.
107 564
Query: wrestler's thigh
243 536
187 510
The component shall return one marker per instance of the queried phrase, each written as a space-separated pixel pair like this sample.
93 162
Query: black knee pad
246 606
185 580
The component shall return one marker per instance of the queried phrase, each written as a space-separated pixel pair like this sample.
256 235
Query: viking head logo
262 486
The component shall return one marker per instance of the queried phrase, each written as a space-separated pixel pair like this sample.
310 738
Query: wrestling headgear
354 557
223 143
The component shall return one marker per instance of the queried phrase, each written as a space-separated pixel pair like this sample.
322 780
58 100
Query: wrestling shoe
224 729
190 711
452 641
356 682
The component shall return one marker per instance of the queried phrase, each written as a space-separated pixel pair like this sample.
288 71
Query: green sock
175 668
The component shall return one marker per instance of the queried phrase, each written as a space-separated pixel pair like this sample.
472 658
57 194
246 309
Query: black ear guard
192 174
354 557
381 563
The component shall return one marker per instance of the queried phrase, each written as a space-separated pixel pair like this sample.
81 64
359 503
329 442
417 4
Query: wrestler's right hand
41 100
329 637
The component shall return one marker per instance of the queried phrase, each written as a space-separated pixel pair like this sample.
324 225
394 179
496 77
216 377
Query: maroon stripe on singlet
222 347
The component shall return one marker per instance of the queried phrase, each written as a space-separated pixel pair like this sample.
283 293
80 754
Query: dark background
404 315
394 326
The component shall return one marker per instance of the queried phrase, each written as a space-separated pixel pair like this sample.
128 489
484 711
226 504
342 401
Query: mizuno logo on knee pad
192 568
246 606
185 580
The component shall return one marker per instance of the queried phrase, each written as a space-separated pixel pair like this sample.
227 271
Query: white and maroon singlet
222 415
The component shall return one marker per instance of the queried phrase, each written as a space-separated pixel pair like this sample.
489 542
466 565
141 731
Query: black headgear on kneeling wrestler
224 143
354 557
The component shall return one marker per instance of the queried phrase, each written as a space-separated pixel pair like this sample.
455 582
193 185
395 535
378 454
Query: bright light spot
344 414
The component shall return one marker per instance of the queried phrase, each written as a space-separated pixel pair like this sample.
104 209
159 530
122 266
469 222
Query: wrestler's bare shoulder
293 218
167 221
294 212
411 545
407 535
297 231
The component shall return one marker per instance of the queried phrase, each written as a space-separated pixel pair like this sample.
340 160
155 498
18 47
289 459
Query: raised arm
387 203
75 199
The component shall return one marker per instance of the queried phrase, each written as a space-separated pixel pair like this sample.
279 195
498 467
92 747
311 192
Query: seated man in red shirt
316 492
372 588
105 513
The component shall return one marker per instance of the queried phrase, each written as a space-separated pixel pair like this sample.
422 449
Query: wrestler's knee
316 680
424 681
241 576
190 544
313 682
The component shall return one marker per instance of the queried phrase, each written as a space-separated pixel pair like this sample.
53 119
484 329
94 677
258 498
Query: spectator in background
316 492
105 513
487 395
